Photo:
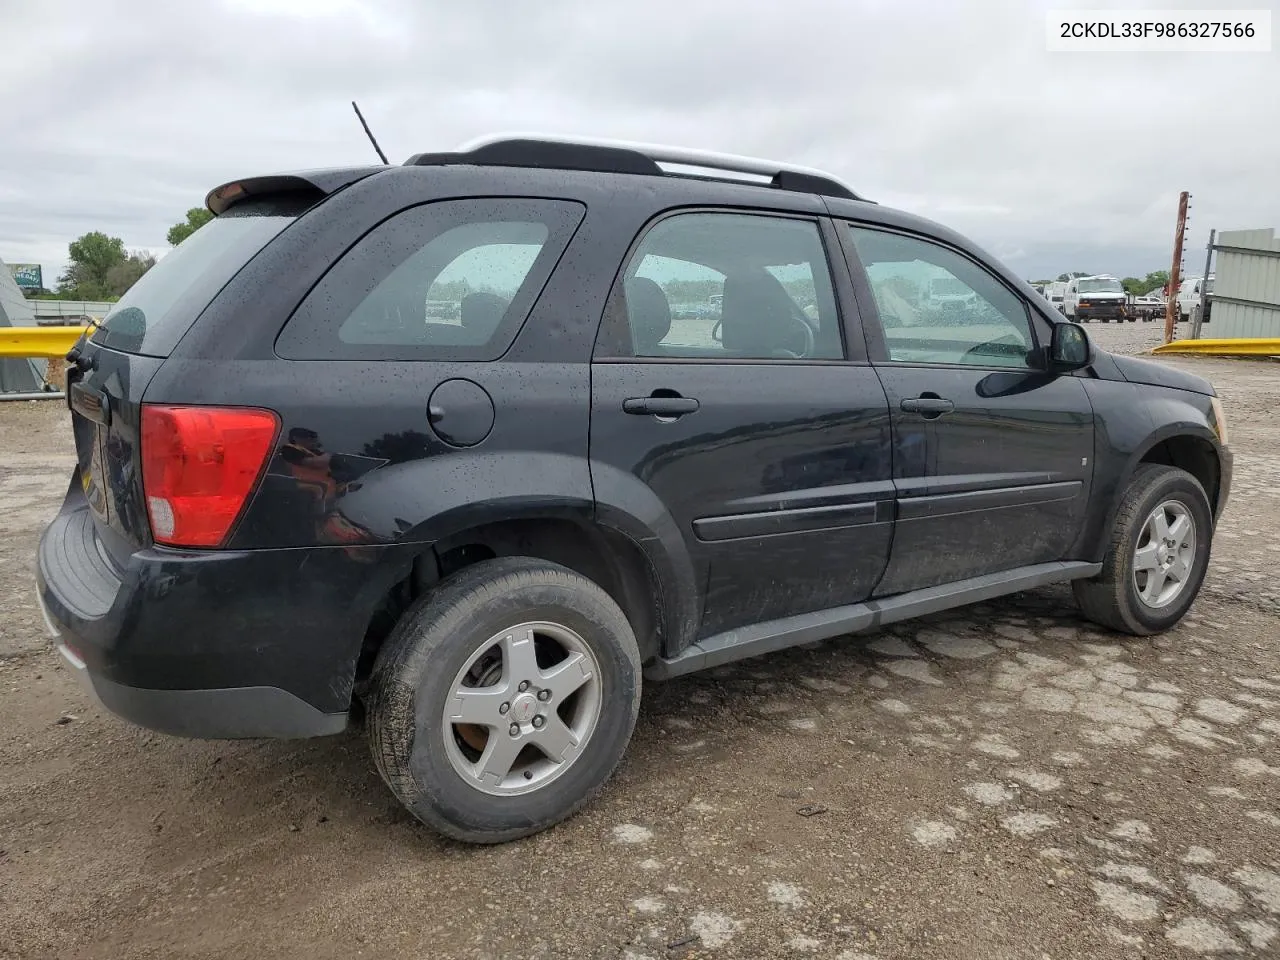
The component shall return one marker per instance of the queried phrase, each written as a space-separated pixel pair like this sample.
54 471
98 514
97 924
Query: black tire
1111 599
433 641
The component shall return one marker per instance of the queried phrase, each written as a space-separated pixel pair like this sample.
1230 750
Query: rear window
451 280
160 308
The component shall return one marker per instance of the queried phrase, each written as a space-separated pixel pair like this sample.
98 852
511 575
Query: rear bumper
229 714
210 644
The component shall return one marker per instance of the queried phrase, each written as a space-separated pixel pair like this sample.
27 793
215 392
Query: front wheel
504 699
1158 555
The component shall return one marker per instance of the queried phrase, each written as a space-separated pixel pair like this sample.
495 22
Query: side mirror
1069 348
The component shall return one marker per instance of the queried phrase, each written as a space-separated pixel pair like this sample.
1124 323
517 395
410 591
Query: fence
1246 286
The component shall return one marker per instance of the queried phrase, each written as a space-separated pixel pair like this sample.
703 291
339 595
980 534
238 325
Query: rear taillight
199 465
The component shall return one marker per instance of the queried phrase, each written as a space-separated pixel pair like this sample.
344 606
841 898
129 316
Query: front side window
444 281
729 286
937 306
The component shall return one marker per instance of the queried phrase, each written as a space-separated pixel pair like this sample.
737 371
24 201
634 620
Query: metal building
21 375
1246 286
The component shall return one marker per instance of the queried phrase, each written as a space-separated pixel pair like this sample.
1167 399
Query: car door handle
659 406
928 406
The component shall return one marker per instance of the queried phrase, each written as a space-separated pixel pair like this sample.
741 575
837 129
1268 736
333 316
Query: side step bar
762 638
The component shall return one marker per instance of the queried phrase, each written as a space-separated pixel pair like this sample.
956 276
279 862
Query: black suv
469 445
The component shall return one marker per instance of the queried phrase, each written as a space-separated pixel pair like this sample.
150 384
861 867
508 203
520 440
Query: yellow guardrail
48 342
1242 347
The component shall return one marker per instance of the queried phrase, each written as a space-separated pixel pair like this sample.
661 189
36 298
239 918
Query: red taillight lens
199 465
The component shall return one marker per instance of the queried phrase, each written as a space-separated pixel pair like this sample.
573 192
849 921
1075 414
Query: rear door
116 363
992 456
721 382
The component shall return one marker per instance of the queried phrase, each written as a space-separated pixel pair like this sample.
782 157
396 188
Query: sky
119 116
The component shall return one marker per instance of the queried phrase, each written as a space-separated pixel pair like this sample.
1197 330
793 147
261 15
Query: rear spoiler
319 182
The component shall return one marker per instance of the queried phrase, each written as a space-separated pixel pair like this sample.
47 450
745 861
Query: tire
423 663
1112 599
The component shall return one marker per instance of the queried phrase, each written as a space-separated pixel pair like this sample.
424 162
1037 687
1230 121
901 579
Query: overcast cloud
120 116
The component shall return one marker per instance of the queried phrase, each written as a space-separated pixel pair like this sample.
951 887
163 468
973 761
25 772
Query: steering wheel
810 341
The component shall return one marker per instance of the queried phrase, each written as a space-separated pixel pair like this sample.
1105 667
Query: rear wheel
1158 556
504 699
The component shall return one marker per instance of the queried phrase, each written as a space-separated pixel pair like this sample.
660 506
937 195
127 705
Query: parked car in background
1191 294
947 300
1149 307
1100 297
1055 292
304 495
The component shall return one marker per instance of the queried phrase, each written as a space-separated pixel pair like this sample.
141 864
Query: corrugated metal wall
1246 286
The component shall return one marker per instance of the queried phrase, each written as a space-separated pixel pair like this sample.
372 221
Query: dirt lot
1000 782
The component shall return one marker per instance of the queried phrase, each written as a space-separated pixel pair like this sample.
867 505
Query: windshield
158 310
1101 286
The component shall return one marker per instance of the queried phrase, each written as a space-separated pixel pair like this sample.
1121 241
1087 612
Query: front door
721 383
992 456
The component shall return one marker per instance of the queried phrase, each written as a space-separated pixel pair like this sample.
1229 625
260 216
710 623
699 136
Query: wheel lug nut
538 722
504 708
524 685
544 695
515 729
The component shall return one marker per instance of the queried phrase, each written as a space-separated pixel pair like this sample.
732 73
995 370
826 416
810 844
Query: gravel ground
999 782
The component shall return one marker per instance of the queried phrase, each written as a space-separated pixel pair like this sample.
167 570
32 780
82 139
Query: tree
92 257
1068 277
1152 281
1156 280
124 275
197 217
101 269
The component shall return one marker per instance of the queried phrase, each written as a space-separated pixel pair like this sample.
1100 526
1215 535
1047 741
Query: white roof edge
661 153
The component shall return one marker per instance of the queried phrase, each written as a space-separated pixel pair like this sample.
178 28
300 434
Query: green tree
92 258
101 269
1134 286
197 217
124 275
1156 280
1066 277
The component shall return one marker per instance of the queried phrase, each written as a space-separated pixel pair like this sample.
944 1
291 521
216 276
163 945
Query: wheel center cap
524 707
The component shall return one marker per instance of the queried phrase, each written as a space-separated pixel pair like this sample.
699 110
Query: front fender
1131 421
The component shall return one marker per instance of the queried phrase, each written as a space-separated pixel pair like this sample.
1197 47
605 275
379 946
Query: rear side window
452 280
160 308
719 286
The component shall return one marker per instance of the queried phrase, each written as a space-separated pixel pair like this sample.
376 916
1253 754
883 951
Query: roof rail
623 156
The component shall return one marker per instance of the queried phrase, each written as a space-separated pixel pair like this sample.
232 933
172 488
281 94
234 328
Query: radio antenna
369 133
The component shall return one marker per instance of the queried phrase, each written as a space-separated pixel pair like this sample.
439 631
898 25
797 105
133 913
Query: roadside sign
29 276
